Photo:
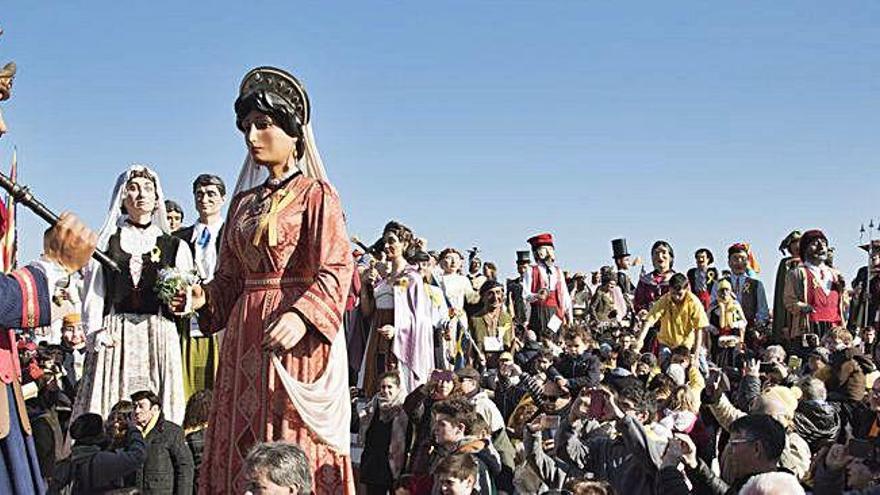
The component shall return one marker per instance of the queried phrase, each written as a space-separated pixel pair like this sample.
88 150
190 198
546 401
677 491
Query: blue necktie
204 238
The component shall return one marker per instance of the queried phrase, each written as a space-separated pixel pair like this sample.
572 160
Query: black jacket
584 370
196 443
169 466
94 470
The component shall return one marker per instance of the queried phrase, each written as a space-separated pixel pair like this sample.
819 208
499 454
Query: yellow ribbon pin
269 222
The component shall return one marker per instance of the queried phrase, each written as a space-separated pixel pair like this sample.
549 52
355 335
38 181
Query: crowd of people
261 352
563 382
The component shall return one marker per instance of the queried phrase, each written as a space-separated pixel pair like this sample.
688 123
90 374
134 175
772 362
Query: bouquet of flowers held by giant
172 281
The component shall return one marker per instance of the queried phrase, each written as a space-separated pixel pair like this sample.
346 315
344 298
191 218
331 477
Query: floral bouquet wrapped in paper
172 281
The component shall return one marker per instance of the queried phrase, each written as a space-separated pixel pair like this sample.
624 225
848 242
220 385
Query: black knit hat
88 425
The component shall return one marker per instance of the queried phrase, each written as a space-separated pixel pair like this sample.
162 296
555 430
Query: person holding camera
93 466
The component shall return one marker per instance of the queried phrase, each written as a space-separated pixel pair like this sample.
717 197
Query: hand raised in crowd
69 243
715 388
752 367
284 333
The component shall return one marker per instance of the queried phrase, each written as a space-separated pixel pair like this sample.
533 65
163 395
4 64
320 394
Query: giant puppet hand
69 243
284 333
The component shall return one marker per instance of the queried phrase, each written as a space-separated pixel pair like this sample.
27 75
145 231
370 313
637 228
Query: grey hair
775 351
813 389
772 483
285 464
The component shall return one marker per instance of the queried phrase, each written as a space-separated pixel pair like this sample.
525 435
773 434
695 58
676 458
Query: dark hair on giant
678 281
205 180
667 246
764 429
147 394
198 407
171 205
458 466
404 233
279 109
708 254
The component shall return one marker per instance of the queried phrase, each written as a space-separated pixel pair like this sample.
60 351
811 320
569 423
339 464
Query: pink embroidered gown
308 271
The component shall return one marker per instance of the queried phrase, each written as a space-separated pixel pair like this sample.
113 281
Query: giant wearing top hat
515 303
544 288
621 255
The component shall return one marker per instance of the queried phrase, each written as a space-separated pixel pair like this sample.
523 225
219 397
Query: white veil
116 217
93 286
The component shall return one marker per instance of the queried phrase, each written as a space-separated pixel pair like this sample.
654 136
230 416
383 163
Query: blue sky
703 123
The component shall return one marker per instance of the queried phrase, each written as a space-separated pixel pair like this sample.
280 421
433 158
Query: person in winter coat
579 367
469 384
629 461
169 465
777 401
385 432
195 425
816 420
92 467
755 447
450 423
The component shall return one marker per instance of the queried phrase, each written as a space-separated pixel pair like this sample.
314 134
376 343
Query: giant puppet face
738 262
661 258
816 251
140 196
702 259
451 262
545 253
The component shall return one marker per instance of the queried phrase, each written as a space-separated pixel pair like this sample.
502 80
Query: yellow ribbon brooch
269 221
156 254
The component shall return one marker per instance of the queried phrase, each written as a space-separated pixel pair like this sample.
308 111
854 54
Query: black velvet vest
121 293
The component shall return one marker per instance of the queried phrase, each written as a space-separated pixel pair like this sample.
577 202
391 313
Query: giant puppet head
542 248
662 256
814 247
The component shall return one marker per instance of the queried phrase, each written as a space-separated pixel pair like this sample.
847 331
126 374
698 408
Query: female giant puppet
133 338
279 290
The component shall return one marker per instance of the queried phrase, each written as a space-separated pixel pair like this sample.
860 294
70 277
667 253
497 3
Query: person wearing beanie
492 326
92 467
813 291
